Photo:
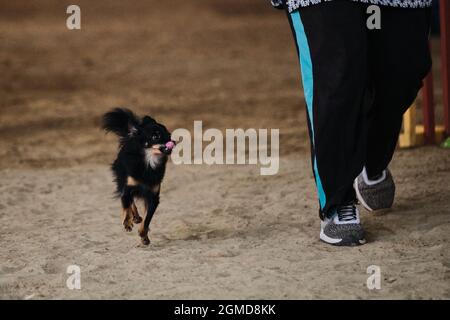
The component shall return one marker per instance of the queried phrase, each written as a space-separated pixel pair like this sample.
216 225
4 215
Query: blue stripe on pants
308 87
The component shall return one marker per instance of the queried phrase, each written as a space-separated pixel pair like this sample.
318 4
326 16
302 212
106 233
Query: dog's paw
145 241
128 226
137 219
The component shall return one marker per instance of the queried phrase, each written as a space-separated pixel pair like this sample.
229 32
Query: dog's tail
120 121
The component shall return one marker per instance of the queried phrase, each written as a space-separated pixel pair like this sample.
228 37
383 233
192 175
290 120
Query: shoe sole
359 196
364 203
345 242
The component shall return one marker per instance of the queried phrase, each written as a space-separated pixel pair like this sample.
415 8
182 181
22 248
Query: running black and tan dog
144 147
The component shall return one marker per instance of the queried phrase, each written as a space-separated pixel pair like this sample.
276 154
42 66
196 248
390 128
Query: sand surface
220 231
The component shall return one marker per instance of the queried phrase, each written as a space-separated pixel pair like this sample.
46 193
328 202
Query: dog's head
148 134
155 136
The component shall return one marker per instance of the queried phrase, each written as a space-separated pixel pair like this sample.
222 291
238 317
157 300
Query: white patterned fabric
292 5
277 3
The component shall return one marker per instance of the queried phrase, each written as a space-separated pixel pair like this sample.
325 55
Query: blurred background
229 63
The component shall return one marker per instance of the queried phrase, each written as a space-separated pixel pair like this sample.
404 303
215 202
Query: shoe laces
347 212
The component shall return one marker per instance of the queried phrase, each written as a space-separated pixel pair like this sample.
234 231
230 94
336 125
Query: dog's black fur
140 164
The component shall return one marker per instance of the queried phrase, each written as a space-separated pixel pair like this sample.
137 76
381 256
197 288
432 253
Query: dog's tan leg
143 231
131 182
136 217
127 219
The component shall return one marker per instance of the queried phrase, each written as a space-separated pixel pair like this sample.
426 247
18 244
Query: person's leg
399 58
331 39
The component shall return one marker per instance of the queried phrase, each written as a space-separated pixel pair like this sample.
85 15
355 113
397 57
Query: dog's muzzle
168 147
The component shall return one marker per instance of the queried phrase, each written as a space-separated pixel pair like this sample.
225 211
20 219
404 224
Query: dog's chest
152 160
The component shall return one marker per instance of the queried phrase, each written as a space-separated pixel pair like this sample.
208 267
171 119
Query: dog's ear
147 120
121 121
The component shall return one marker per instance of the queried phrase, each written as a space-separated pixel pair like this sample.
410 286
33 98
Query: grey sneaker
375 194
343 228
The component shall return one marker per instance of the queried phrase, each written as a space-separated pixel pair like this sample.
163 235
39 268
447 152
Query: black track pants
357 84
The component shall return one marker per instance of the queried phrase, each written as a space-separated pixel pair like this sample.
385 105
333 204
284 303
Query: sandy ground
220 231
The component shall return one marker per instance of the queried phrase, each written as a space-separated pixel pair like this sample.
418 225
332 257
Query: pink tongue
170 145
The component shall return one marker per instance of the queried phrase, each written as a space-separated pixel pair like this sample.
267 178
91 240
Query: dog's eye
156 136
